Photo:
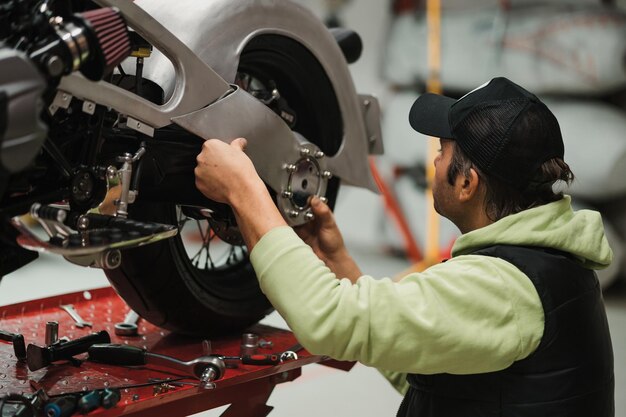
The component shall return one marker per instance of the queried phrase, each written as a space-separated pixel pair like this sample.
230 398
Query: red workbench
246 388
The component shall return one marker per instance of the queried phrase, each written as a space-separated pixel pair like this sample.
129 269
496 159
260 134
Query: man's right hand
324 237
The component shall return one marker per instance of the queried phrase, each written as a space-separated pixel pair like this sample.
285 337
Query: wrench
74 315
129 326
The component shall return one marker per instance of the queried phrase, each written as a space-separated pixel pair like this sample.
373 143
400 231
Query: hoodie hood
555 225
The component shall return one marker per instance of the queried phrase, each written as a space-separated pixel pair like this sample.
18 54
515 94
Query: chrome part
111 172
129 326
288 356
52 332
78 320
249 344
74 37
290 168
82 223
127 196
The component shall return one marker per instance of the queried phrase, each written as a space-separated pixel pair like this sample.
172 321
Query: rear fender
218 31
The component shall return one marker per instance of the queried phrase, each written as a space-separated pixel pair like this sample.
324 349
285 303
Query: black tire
159 281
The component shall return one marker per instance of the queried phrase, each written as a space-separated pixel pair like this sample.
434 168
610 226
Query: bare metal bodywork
199 45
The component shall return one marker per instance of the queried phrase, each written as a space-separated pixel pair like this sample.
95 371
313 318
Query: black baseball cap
503 129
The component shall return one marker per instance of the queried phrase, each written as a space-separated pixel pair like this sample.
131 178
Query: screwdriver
61 407
256 359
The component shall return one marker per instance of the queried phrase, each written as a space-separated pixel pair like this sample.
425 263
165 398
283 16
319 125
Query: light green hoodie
471 314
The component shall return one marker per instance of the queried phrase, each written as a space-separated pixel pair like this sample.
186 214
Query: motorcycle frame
196 59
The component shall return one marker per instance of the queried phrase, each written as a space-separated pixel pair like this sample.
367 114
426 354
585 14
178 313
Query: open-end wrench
74 315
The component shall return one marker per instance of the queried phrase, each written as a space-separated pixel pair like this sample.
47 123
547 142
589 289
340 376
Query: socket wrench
205 368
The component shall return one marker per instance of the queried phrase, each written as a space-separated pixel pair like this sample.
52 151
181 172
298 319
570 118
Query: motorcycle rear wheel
160 281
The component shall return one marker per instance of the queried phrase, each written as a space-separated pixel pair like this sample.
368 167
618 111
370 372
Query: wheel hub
305 177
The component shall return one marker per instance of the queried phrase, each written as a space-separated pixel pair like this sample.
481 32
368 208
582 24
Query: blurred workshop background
572 53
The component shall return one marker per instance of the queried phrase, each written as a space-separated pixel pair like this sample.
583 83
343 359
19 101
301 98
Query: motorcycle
111 102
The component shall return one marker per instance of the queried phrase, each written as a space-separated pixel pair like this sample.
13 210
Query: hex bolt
319 154
327 175
83 222
305 152
293 213
286 194
111 172
290 167
324 200
308 216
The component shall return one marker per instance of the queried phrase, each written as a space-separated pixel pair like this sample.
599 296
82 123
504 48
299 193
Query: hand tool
249 344
257 359
110 397
75 316
19 348
290 354
39 357
89 402
205 368
61 407
129 326
52 332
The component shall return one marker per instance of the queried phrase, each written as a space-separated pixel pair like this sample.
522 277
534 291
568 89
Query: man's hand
324 237
225 174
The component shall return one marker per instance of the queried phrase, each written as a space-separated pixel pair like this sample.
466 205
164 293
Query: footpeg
98 240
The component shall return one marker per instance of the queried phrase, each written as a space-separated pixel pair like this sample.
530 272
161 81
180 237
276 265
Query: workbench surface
247 387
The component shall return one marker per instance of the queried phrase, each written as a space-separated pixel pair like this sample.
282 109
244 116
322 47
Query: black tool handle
19 347
74 347
114 354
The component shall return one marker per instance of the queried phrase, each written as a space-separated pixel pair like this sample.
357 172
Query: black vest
570 374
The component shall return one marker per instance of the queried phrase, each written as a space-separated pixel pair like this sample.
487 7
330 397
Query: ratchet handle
115 354
74 347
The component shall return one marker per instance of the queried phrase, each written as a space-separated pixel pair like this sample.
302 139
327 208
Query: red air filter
108 38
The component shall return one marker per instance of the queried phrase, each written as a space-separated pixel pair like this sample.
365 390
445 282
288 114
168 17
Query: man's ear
469 186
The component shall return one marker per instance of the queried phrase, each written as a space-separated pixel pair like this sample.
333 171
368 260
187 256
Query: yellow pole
433 85
433 16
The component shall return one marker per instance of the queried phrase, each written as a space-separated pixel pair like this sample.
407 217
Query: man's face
444 196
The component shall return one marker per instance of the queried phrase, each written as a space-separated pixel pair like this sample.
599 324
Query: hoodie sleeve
467 315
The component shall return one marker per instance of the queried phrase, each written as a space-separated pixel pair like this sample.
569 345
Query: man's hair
502 199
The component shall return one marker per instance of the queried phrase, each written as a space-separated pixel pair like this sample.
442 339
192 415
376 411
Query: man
512 325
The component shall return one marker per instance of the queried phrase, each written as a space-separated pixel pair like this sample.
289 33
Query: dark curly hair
501 199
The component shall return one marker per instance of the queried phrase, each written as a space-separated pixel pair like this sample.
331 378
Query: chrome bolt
293 213
308 216
290 167
319 154
324 200
286 194
83 222
367 103
327 175
111 172
305 152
